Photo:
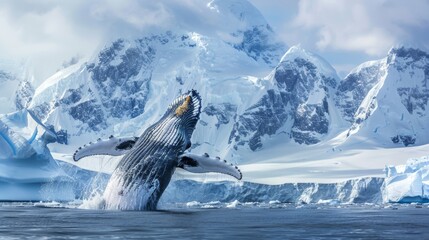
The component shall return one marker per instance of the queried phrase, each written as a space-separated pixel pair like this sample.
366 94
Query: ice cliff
365 190
88 184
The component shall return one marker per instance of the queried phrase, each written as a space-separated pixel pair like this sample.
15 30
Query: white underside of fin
206 164
103 147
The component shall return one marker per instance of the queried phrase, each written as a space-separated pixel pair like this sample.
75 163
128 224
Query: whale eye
180 110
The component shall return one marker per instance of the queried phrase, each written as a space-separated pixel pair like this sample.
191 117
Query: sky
48 33
347 33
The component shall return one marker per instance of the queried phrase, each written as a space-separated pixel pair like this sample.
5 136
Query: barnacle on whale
184 107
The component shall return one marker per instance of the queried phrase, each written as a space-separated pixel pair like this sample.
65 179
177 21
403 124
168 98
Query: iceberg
27 170
407 183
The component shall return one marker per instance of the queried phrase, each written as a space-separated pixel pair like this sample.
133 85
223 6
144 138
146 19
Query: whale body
150 160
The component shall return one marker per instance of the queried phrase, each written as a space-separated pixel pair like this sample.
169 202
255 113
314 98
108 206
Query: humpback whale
149 161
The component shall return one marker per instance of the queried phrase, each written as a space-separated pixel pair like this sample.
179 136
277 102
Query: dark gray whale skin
146 170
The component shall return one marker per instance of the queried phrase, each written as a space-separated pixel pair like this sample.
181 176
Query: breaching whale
150 160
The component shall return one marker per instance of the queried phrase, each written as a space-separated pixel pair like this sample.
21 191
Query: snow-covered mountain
302 101
297 104
257 105
131 80
390 100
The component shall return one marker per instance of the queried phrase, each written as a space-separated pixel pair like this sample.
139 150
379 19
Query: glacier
402 184
87 187
365 190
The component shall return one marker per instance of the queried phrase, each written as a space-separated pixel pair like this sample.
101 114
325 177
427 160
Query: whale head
185 111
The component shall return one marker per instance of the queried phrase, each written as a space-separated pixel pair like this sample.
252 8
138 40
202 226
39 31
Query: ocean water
287 221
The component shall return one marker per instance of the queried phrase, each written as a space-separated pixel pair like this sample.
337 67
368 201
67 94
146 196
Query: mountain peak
297 52
242 10
407 52
394 109
294 52
252 34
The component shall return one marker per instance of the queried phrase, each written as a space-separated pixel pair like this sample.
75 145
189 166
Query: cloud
48 33
45 34
370 26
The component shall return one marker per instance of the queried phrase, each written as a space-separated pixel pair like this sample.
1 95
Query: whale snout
186 108
183 114
188 105
189 111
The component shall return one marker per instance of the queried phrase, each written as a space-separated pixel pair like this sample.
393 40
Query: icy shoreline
365 190
403 184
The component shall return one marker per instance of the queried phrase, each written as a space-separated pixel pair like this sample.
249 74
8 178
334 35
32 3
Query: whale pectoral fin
112 146
204 164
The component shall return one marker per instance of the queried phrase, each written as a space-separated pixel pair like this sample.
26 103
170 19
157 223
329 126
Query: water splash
95 201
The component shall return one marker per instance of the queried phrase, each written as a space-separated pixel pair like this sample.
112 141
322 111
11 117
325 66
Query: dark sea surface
29 221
